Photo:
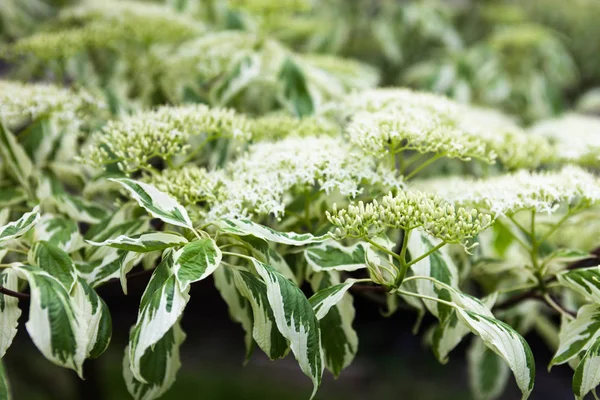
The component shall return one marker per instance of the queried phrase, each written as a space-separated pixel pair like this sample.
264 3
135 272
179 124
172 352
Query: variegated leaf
18 228
159 366
449 333
578 335
54 261
263 252
587 373
328 297
60 232
488 373
332 256
53 324
15 156
161 307
93 316
196 261
240 309
145 242
498 336
507 343
264 328
111 230
115 265
295 320
244 227
438 266
158 204
9 310
338 338
80 209
5 393
585 281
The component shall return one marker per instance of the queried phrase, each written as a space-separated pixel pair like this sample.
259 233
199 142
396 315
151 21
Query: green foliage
206 143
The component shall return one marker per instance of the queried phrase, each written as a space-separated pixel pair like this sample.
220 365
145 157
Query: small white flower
523 190
261 181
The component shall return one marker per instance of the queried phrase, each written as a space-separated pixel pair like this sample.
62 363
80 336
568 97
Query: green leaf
244 227
54 261
10 195
578 335
53 324
9 310
4 385
295 89
159 366
587 373
295 320
240 309
196 261
145 242
60 232
94 317
332 256
264 326
338 339
505 342
488 373
161 307
18 228
15 156
585 281
438 266
158 204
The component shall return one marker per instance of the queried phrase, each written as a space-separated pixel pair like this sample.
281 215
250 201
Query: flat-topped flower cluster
261 181
108 24
165 132
24 102
523 190
408 210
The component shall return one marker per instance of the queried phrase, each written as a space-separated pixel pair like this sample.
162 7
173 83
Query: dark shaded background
391 362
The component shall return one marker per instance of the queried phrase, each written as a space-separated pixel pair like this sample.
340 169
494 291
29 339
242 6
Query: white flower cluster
190 185
262 180
22 102
576 138
384 120
409 210
133 141
107 24
523 190
515 147
277 126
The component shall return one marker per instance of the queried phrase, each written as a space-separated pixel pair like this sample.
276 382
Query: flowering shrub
288 171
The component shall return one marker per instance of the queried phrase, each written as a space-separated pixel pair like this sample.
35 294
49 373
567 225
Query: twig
368 288
12 293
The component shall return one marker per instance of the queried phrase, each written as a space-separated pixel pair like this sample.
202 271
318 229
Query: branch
533 293
18 295
368 288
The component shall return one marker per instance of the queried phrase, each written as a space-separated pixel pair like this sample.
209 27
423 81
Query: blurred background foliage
533 59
